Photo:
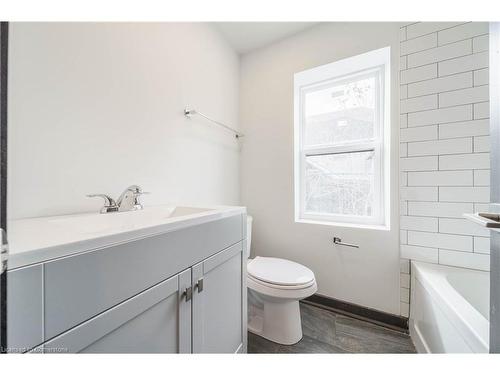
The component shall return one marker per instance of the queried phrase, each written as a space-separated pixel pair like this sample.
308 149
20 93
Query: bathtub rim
469 322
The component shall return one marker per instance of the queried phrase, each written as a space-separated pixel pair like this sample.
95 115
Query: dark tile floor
328 332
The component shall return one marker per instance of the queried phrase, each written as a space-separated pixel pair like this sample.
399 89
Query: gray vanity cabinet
155 321
201 310
177 292
80 287
25 308
218 303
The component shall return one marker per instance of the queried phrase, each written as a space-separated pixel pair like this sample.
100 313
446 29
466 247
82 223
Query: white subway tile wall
481 110
444 146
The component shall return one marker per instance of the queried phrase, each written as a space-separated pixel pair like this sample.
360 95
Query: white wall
367 276
445 157
94 108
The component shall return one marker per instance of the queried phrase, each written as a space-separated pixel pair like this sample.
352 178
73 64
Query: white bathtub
449 309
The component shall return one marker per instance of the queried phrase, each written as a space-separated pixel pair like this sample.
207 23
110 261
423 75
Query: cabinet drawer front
136 325
82 286
25 308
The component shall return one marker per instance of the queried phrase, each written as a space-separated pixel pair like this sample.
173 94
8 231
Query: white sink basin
118 221
182 211
40 239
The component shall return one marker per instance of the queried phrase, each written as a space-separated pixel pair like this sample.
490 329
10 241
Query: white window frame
326 75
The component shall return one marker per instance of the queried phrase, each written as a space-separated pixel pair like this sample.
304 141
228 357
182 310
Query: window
342 141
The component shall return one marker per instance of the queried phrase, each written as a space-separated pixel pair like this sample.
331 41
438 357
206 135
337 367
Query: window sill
346 225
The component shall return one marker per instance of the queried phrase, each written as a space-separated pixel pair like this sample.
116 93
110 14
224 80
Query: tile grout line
471 38
436 31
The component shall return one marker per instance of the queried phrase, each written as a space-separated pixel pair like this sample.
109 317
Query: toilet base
278 320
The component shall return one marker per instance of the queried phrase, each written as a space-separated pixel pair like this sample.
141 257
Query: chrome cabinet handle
188 293
338 241
199 285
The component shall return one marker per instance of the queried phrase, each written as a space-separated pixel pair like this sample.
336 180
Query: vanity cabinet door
218 297
24 308
157 320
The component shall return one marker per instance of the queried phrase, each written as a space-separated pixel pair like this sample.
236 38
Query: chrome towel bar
190 112
338 241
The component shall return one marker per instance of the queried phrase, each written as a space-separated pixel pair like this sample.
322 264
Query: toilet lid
279 271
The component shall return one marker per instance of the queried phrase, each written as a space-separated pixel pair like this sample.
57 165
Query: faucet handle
109 203
136 189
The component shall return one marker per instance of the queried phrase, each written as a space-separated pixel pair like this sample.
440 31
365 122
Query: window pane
340 184
341 112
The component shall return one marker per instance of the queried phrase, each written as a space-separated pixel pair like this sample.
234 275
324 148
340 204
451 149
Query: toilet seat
280 273
280 287
294 293
280 278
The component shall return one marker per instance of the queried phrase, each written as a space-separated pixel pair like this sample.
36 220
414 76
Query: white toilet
275 287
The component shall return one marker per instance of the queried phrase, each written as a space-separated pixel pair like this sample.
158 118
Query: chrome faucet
128 200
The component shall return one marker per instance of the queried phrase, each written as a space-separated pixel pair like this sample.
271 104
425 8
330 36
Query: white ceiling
247 36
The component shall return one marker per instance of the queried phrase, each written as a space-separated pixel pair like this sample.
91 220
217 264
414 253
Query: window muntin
340 144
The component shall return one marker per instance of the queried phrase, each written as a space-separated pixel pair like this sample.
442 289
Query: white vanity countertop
40 239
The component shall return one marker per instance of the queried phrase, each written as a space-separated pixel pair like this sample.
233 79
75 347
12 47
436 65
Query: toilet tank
249 234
